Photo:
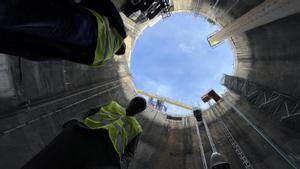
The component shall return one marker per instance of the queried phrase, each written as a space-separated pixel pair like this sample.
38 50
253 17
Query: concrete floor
36 98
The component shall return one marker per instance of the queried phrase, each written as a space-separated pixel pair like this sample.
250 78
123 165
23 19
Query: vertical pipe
240 153
211 142
266 138
201 146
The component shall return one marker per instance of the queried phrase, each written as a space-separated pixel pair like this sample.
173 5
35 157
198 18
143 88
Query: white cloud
157 87
164 90
186 48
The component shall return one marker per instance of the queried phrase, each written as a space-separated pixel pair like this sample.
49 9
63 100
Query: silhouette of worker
105 138
89 32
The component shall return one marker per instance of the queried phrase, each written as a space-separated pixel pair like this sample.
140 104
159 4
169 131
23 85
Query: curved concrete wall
42 96
267 55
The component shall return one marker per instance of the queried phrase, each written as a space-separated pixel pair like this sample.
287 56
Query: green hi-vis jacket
108 42
121 128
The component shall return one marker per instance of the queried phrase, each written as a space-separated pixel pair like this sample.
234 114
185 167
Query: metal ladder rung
237 148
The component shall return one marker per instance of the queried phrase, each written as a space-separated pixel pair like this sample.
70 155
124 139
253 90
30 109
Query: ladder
238 150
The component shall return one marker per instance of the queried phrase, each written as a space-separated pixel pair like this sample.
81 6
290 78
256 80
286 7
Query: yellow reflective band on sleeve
108 41
102 38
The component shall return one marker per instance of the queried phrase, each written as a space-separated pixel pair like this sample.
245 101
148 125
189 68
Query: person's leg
76 147
61 153
50 28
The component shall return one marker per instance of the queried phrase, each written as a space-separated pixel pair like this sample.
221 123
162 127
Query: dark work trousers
44 29
77 148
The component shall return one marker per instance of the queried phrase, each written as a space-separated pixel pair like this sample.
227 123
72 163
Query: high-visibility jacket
108 42
121 128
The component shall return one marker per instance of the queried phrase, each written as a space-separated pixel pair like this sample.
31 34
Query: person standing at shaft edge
106 138
89 32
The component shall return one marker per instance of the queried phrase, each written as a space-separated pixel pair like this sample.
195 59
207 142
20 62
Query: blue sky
173 59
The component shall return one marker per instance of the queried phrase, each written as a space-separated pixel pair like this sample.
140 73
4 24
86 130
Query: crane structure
163 99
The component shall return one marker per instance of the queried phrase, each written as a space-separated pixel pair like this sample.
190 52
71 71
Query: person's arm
108 9
129 152
90 112
78 119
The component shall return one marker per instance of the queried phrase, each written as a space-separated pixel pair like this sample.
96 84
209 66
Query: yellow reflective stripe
122 129
136 125
109 35
128 128
108 41
116 41
101 47
107 116
94 124
117 137
103 116
110 113
99 120
114 108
